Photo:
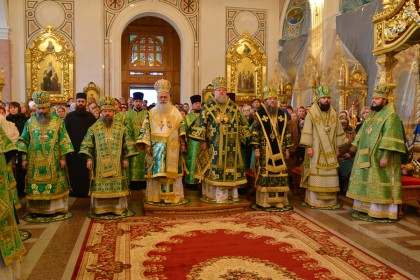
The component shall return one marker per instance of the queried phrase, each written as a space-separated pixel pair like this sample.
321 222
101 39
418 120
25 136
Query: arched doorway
150 50
112 51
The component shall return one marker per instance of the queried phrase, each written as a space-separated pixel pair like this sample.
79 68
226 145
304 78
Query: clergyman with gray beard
220 129
45 143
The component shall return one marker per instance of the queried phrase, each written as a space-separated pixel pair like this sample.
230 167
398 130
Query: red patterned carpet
251 245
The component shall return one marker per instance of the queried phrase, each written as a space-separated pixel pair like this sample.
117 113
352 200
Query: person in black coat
77 124
19 120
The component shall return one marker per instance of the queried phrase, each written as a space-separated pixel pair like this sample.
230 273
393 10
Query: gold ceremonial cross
161 125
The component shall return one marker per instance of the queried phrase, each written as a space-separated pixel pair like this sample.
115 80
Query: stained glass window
132 37
146 51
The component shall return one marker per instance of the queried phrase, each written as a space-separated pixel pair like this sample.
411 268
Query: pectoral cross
161 125
43 137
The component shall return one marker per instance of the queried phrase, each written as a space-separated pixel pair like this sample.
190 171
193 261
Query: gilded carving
246 68
92 92
379 35
386 64
400 22
389 7
396 30
353 91
50 66
387 4
286 94
2 82
394 26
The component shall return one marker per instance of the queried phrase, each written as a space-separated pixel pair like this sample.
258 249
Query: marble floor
53 248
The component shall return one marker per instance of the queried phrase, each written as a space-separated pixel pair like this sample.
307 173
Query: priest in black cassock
77 124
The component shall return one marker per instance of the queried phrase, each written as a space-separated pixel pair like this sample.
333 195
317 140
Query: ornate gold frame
50 67
2 82
286 93
246 66
92 91
395 25
353 89
396 28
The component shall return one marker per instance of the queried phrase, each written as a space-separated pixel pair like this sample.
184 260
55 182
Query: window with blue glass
146 51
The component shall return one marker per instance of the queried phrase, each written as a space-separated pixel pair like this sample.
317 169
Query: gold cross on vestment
222 117
43 138
108 139
161 125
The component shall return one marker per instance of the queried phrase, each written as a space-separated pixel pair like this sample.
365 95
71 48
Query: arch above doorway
189 53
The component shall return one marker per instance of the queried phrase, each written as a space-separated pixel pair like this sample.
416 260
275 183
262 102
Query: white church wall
89 50
17 47
213 38
89 43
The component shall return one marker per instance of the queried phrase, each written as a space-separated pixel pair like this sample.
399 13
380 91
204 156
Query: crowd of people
103 149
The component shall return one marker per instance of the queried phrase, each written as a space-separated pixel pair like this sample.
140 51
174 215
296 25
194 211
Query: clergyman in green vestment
322 136
193 146
163 138
271 140
375 181
108 146
11 245
45 144
220 130
12 133
136 117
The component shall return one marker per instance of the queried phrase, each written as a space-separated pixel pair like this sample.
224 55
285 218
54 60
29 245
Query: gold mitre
41 99
106 103
219 82
323 91
268 92
162 85
382 90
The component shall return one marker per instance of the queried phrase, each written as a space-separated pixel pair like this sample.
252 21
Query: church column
196 87
316 26
107 68
386 63
5 77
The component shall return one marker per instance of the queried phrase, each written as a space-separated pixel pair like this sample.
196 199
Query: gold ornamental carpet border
251 245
